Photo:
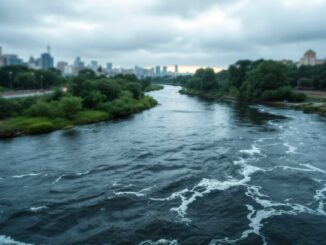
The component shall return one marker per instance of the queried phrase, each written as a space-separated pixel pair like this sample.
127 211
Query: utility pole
10 78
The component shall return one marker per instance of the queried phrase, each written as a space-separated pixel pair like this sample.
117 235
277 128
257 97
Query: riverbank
212 95
24 125
311 105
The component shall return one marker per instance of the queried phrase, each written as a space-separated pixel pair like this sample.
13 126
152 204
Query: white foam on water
5 240
83 173
314 168
37 209
291 149
25 175
140 193
206 186
320 197
270 209
254 150
159 242
57 180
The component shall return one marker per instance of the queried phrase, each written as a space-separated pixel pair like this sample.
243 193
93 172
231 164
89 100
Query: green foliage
69 106
92 99
90 116
25 78
112 98
40 127
203 80
40 109
268 81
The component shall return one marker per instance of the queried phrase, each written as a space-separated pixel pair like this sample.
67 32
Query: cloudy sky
211 33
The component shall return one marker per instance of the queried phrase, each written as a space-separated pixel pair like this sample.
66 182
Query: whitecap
83 173
25 175
57 180
254 150
5 240
320 197
159 242
206 186
314 168
291 149
140 193
37 209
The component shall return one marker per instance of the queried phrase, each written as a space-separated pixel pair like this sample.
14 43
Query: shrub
40 109
92 99
69 106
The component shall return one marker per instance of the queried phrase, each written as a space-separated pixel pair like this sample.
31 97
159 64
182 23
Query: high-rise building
94 65
158 71
109 68
46 61
165 70
2 59
78 65
176 69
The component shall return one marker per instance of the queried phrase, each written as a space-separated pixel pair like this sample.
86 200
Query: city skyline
190 33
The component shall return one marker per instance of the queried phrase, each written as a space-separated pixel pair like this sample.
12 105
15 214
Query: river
188 171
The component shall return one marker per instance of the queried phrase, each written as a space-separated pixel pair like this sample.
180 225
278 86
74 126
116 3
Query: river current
189 171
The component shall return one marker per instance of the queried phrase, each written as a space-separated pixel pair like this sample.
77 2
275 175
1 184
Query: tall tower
176 69
48 49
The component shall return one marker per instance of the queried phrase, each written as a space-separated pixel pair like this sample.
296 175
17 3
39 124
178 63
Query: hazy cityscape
47 61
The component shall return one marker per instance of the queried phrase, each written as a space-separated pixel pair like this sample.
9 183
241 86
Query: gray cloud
149 32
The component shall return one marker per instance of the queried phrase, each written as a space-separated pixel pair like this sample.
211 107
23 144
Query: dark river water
188 171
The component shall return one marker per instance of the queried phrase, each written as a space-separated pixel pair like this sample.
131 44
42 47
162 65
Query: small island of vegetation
88 99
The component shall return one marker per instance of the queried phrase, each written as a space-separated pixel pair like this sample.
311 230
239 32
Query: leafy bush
92 99
69 106
40 109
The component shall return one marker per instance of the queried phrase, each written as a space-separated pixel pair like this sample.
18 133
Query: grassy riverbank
22 125
89 99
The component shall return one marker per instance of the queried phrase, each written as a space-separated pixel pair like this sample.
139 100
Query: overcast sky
212 33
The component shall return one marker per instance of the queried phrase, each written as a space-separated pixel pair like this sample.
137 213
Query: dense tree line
89 98
257 80
21 77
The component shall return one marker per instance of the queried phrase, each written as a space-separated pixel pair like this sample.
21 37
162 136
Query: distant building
310 58
165 70
78 65
46 60
109 68
62 67
176 69
12 59
2 59
158 71
32 63
94 65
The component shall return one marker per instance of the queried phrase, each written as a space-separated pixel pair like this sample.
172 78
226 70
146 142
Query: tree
269 75
69 106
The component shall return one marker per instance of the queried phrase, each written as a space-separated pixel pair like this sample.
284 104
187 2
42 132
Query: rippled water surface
186 172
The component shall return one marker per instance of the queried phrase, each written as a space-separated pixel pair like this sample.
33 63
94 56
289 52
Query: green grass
154 87
90 116
38 125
